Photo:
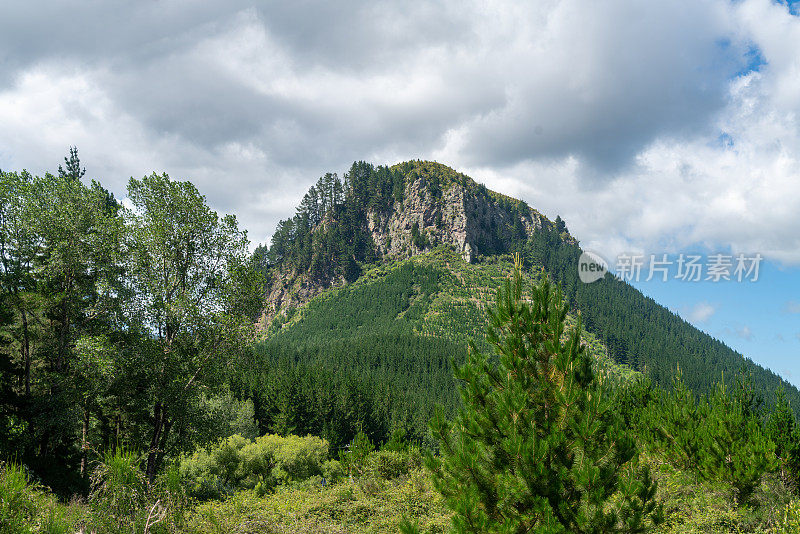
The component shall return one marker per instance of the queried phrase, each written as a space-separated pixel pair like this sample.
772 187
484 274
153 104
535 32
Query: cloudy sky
649 126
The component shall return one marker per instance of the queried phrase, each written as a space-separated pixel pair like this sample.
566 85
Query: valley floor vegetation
131 398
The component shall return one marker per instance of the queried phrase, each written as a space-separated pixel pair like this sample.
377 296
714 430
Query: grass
353 506
26 507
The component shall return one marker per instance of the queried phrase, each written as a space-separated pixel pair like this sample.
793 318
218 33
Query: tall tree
60 243
195 296
537 446
18 251
781 429
73 163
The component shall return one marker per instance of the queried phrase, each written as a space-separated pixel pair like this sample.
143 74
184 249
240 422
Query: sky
650 127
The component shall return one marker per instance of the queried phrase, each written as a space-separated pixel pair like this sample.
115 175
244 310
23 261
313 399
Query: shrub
238 463
299 458
354 459
333 471
224 415
17 500
119 492
790 522
388 464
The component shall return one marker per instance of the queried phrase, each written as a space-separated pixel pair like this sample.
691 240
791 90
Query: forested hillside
375 355
427 359
360 221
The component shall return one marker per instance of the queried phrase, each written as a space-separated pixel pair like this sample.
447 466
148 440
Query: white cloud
607 113
744 332
700 312
791 306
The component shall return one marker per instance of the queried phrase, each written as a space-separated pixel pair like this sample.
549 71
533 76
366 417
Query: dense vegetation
328 236
117 323
384 344
636 330
134 397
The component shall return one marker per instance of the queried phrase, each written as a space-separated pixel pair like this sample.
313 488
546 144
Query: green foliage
375 355
335 248
349 506
708 506
26 507
196 304
226 415
333 471
419 239
739 452
119 491
537 445
790 522
60 267
238 463
781 428
717 437
73 170
389 464
97 345
354 457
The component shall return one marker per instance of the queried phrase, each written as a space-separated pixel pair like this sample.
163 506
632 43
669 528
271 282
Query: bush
224 415
294 458
388 464
17 500
238 463
119 492
354 459
790 522
333 471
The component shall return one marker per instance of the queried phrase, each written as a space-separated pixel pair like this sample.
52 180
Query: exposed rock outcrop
455 211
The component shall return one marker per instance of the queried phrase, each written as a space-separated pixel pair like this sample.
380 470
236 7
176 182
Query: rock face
456 212
460 217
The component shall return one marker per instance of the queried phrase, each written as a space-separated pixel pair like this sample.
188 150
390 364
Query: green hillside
390 336
401 320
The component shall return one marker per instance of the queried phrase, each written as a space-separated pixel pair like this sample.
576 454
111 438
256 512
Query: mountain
383 213
378 281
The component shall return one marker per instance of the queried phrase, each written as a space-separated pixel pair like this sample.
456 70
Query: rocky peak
392 213
456 211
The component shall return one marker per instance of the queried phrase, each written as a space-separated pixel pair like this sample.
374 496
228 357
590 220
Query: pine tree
782 429
738 451
73 170
678 424
537 446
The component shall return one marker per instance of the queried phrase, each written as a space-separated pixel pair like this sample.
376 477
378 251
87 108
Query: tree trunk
44 444
158 439
163 445
26 352
84 442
